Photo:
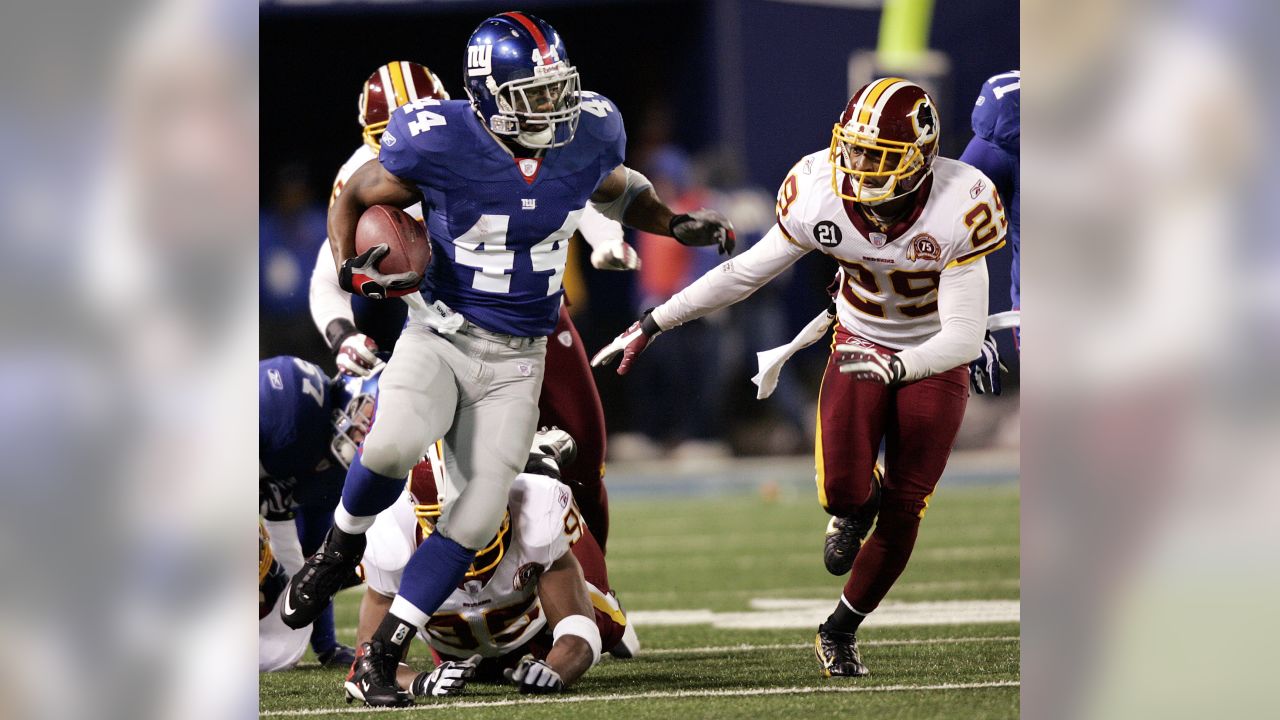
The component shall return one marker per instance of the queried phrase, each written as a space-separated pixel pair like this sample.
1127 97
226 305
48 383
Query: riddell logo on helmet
923 247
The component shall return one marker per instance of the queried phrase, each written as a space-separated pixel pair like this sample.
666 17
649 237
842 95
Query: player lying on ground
910 233
357 327
308 428
504 179
535 605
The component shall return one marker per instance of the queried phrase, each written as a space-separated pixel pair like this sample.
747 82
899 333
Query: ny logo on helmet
479 60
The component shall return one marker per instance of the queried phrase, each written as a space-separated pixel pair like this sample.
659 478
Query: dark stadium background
758 82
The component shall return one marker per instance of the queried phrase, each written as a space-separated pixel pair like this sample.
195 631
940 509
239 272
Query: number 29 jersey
887 285
499 225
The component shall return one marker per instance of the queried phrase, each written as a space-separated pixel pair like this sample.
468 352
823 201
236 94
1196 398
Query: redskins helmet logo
924 121
923 247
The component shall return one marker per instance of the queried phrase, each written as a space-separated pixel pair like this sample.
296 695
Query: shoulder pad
996 112
293 415
420 130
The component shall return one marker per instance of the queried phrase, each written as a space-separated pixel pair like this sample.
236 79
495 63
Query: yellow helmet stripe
397 81
873 96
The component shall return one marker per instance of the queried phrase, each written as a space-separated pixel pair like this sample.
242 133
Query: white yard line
782 613
712 650
657 695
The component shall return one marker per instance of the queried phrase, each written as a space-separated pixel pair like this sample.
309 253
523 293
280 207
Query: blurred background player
356 328
308 428
528 602
505 178
910 232
994 151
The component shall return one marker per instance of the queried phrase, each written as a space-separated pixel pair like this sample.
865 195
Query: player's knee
903 506
387 456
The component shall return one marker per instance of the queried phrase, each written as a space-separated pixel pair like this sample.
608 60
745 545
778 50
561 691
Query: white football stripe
712 650
747 692
771 613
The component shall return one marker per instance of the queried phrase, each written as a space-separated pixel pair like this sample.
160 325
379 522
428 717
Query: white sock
352 524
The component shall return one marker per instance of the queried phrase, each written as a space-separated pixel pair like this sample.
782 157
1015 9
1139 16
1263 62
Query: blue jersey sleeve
997 109
294 427
402 153
995 163
601 119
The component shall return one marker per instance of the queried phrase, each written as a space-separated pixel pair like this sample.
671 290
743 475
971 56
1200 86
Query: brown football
406 238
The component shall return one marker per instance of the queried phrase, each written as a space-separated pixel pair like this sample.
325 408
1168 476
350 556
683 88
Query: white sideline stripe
745 647
782 613
654 696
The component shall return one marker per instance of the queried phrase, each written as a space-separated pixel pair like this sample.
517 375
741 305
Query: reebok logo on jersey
976 190
273 376
388 139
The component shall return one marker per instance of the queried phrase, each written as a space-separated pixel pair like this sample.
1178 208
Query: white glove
629 344
617 255
449 678
356 355
867 364
535 676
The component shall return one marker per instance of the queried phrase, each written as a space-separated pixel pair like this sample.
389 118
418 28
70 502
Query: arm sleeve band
583 627
730 282
636 184
598 230
962 308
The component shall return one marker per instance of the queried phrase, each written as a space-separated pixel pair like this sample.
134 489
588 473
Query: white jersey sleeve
546 520
962 310
732 281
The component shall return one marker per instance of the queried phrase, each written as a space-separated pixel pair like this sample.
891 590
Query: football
407 239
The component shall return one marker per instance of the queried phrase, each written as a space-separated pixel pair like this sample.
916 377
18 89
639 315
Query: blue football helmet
521 83
354 399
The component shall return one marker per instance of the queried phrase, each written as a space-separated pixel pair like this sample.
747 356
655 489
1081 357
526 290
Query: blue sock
434 571
324 637
366 493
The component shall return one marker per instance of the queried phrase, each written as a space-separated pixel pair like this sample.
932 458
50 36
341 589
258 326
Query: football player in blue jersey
309 427
994 151
503 180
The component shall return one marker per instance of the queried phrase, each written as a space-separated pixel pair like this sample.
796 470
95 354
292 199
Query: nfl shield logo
878 239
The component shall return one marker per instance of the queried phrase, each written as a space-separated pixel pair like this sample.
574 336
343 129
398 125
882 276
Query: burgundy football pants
571 402
918 423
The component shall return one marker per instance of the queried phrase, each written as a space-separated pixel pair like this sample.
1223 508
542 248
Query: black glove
360 275
704 227
984 373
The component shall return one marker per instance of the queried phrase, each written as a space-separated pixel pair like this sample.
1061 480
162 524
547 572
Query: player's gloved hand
704 227
535 676
618 255
629 344
867 364
360 275
356 355
449 678
984 373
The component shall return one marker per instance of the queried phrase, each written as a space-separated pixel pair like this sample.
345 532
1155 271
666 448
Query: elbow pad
636 184
583 627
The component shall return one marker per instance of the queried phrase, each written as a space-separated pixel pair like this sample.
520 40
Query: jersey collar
894 231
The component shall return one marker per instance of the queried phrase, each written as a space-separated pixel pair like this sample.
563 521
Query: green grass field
754 570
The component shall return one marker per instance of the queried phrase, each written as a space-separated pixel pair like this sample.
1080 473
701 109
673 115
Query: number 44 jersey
500 225
888 279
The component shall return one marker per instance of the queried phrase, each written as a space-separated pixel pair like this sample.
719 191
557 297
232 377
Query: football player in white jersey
535 605
909 231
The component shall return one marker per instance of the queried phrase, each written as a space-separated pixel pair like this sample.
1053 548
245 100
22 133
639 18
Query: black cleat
373 678
838 654
321 577
845 534
844 540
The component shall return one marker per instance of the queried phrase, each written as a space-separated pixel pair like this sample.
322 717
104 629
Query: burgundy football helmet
891 125
428 499
397 83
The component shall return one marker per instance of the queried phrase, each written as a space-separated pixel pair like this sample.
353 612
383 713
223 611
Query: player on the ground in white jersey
535 604
910 232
